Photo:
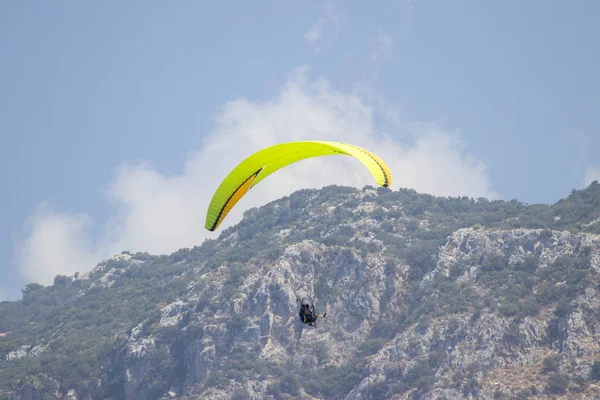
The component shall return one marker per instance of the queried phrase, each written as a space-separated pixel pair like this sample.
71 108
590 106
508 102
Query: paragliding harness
309 317
307 313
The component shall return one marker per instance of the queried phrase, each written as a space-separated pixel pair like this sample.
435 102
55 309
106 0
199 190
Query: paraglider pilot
307 315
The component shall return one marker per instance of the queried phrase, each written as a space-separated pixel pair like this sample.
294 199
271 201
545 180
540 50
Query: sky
118 120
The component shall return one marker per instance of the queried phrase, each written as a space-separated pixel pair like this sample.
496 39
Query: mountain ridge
220 320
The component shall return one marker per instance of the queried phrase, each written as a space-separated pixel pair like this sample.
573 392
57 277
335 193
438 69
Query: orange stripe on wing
234 198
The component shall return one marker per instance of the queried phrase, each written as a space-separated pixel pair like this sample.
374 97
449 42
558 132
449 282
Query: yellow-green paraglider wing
266 161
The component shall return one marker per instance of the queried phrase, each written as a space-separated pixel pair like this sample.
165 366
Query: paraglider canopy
261 164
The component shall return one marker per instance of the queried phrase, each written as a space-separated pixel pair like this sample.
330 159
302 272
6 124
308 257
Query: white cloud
591 174
56 243
327 27
160 214
382 47
386 41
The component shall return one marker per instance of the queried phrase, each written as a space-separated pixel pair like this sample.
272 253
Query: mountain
426 298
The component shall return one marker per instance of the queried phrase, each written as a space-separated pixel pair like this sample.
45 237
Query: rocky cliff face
418 307
260 316
473 354
485 355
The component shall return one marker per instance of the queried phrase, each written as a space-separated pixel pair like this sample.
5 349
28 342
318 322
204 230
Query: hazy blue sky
112 113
